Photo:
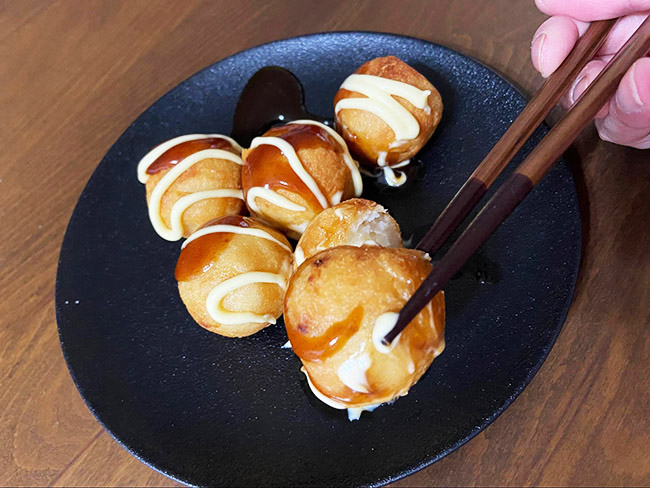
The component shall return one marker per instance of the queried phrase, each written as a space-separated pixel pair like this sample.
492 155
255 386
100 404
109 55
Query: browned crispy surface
367 135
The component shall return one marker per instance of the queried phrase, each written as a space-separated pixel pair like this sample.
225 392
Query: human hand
625 118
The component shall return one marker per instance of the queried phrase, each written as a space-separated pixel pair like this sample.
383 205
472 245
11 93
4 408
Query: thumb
628 118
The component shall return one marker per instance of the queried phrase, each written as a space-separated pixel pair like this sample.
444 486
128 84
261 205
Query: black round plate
208 410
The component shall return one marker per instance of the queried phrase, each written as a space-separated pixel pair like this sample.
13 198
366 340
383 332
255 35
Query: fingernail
629 101
578 88
537 46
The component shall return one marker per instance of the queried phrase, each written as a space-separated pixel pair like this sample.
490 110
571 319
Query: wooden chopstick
514 138
527 175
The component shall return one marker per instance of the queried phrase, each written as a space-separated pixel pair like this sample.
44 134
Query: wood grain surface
75 73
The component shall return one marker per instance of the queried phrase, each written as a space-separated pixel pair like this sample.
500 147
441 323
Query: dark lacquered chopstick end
504 201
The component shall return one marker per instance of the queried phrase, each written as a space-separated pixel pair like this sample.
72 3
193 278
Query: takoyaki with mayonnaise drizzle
339 305
355 222
295 171
386 111
232 275
191 180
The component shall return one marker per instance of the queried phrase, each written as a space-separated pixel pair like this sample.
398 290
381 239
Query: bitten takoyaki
355 222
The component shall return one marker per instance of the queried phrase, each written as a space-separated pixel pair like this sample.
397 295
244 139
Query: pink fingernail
578 88
629 101
537 46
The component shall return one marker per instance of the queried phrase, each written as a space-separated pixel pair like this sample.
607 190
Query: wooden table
75 73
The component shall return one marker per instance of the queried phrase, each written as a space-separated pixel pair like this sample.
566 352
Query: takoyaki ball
386 111
340 304
355 222
191 180
295 171
232 275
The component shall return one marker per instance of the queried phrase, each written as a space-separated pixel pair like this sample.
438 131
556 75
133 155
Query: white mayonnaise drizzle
271 196
383 324
400 164
217 294
352 165
296 165
352 372
379 92
175 231
235 229
160 149
299 256
391 178
323 398
353 412
215 297
380 101
289 152
178 209
299 229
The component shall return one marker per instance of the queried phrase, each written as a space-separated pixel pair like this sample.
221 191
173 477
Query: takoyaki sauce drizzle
267 166
199 255
181 151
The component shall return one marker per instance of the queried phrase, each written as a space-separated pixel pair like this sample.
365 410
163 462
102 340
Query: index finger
590 10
